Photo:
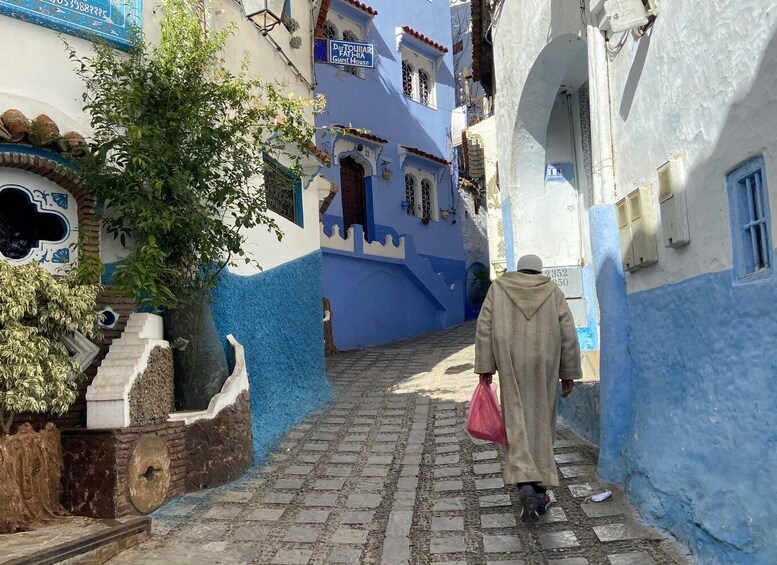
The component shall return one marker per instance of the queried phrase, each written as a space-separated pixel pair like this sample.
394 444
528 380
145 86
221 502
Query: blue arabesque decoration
111 20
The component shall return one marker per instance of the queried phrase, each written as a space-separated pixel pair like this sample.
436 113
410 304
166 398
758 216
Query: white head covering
529 263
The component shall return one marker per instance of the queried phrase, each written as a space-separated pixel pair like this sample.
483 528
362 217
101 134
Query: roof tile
421 37
425 155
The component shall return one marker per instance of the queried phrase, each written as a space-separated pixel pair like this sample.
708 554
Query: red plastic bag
484 420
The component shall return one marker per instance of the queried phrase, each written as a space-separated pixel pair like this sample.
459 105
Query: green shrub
36 311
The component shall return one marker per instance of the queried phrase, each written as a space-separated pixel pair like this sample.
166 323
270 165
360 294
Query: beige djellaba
526 333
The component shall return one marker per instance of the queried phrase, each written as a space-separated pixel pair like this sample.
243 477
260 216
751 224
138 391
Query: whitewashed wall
543 61
678 92
42 80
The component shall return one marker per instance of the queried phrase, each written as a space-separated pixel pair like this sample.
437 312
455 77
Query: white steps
107 398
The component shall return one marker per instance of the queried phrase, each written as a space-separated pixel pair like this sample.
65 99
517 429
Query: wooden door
352 187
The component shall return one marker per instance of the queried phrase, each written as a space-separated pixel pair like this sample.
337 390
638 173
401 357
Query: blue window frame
283 192
750 224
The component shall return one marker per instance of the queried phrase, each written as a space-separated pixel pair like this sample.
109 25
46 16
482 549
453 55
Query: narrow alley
386 473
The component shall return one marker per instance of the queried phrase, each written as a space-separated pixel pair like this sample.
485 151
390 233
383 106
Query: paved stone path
387 474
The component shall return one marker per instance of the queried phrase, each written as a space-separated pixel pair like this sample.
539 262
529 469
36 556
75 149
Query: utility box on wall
637 230
674 214
624 231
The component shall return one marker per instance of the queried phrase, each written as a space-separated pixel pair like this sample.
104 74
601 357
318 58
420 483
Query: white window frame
421 175
411 206
418 63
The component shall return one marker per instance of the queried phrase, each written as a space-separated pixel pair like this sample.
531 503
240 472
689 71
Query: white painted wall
551 221
458 123
42 80
543 61
696 87
712 113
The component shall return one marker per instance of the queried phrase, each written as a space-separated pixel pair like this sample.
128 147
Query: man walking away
526 332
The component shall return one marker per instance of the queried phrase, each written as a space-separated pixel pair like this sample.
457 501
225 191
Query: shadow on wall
635 73
703 359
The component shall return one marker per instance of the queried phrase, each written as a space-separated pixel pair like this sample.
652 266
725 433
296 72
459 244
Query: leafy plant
36 311
177 148
290 23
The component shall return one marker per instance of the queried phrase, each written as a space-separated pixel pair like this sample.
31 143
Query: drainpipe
601 126
315 6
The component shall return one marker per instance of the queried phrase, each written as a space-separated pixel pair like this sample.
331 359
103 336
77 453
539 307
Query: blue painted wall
383 299
507 222
687 404
614 367
703 448
376 103
580 410
402 310
277 316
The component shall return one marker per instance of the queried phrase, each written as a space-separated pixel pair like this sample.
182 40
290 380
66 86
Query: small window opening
23 226
410 194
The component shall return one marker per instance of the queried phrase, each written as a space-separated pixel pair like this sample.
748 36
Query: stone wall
219 450
151 397
95 475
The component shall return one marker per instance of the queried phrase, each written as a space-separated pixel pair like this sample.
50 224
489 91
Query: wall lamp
266 14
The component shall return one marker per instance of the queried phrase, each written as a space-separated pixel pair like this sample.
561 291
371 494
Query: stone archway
556 69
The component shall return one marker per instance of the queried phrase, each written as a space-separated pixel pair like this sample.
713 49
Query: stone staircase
108 396
448 299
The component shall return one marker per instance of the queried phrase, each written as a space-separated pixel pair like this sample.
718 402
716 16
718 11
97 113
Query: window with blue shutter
283 192
750 224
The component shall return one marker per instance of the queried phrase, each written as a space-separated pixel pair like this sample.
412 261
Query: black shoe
544 500
529 504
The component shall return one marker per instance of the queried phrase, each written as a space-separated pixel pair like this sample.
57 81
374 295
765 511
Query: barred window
280 190
423 87
407 79
410 194
350 36
426 198
749 200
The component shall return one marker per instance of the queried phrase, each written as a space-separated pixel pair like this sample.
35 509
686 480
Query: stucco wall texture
378 302
701 454
277 317
712 115
700 450
685 393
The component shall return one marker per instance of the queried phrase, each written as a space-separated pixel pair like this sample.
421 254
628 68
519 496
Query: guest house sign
111 20
351 54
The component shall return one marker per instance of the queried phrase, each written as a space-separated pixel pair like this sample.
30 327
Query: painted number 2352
559 276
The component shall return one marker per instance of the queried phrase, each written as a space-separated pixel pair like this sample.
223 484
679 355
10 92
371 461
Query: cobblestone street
386 473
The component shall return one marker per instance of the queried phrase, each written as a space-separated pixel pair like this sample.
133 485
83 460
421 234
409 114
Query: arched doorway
477 283
353 194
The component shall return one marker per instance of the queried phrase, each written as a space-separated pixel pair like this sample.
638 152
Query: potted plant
37 375
386 172
425 220
178 141
292 25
